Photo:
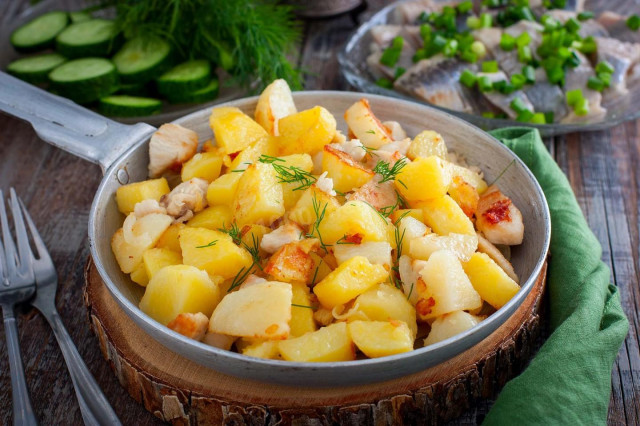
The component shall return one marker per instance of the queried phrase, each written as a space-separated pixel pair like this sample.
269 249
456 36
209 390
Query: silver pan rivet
123 176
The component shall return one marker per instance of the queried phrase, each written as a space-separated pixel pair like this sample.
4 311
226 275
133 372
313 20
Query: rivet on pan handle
67 125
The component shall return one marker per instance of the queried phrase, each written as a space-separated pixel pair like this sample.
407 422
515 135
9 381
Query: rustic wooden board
176 389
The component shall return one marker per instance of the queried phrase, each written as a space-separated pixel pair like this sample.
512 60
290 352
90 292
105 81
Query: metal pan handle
67 125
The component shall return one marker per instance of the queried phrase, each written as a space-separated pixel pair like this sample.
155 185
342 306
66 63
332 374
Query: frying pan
122 153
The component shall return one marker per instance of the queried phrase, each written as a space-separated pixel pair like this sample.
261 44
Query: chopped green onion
573 60
524 54
391 55
478 48
518 81
419 55
488 114
518 105
465 6
425 31
572 25
563 52
484 84
398 73
486 20
424 17
595 83
529 74
473 22
585 16
555 75
574 96
523 39
490 66
439 41
549 117
633 22
588 45
384 82
605 77
581 107
507 42
492 3
500 85
525 116
549 22
538 118
604 67
469 56
468 78
450 48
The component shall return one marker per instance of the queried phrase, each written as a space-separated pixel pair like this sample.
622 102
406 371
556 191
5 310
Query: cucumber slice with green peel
35 69
85 80
80 16
129 106
95 37
142 59
186 77
39 33
207 93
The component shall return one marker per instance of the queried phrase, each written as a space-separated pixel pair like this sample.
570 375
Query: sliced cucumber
184 78
35 69
129 106
39 33
141 59
207 93
85 80
80 16
95 37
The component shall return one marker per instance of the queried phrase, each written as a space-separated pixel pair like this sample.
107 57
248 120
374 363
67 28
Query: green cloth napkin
569 380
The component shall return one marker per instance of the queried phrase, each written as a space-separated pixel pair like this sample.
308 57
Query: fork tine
10 250
43 253
26 256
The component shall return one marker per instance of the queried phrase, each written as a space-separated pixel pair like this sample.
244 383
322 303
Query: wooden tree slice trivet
180 391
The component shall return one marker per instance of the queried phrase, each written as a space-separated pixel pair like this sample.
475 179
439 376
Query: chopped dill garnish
315 274
373 132
234 232
289 174
410 291
402 216
211 244
399 238
388 172
268 159
240 277
503 171
319 211
254 251
344 240
304 306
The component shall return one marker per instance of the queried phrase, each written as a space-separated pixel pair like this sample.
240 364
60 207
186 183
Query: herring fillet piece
623 57
546 97
590 27
383 35
576 78
435 80
501 101
616 25
380 70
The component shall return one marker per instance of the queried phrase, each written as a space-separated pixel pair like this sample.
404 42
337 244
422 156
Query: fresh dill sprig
389 172
254 251
373 132
503 171
410 291
240 277
399 238
319 211
315 273
368 150
344 240
211 244
234 232
289 174
304 306
402 216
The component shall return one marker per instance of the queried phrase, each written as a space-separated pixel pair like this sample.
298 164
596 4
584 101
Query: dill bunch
248 38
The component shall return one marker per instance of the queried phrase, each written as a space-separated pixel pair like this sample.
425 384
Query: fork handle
94 407
22 410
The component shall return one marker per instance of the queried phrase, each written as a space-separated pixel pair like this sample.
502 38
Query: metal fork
94 407
18 285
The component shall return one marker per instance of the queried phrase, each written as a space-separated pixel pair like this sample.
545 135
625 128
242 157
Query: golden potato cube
169 238
144 234
179 289
423 179
465 195
250 154
234 130
448 325
259 197
222 191
444 216
463 246
366 126
274 103
444 287
214 217
354 217
349 280
490 280
401 213
290 264
213 251
301 311
385 302
381 338
301 161
306 131
426 144
262 310
469 176
155 259
346 173
378 253
266 349
127 196
139 275
205 165
410 228
328 344
312 199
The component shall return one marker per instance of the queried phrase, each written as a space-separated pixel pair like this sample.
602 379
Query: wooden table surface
603 168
